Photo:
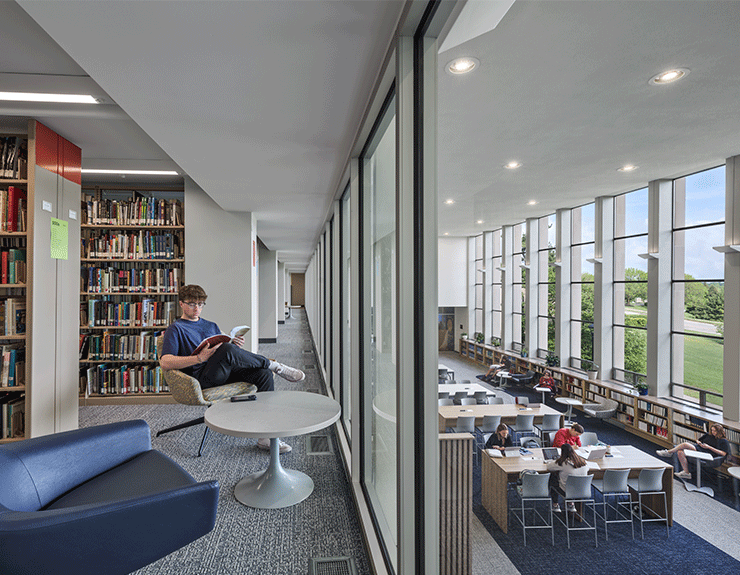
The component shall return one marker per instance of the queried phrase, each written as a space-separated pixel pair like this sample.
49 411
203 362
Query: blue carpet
683 552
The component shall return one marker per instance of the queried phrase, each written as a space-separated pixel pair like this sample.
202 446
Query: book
238 331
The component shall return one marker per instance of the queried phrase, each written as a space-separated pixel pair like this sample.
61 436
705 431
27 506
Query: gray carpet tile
247 540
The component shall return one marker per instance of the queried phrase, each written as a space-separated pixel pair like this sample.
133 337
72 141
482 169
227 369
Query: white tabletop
568 400
469 387
698 454
273 414
734 471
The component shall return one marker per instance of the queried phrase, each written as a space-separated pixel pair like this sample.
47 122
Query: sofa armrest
36 471
112 538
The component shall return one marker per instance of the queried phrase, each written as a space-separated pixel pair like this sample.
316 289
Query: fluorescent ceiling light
668 76
132 172
627 168
462 65
56 98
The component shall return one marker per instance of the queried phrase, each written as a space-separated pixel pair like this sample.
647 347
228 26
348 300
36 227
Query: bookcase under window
132 265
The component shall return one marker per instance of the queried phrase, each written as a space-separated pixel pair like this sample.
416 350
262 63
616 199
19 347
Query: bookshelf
132 247
665 422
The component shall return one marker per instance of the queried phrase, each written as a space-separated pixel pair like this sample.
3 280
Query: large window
698 286
630 286
546 286
519 286
582 284
479 267
345 324
379 469
495 275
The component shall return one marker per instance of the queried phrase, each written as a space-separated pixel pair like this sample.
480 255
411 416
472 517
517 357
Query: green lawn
703 366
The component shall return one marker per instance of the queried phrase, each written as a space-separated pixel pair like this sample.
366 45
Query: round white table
570 402
273 414
698 455
543 390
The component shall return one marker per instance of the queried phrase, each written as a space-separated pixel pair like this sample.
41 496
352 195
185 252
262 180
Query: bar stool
550 422
468 401
444 394
649 482
534 489
459 396
578 491
523 424
614 484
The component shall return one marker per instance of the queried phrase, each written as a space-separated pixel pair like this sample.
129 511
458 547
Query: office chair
468 401
445 401
495 401
589 438
649 482
534 489
614 485
444 394
523 424
578 492
459 396
550 422
480 397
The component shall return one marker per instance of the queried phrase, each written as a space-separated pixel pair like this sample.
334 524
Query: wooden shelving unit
132 264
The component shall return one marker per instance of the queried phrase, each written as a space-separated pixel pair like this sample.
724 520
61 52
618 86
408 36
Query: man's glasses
194 304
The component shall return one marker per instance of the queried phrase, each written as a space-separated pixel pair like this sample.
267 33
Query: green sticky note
59 239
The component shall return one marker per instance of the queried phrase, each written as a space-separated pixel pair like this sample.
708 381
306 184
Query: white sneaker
663 453
264 443
556 507
287 372
682 475
571 506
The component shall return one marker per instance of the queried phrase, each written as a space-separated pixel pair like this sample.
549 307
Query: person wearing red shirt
569 435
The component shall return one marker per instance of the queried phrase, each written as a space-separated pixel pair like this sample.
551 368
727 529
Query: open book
238 331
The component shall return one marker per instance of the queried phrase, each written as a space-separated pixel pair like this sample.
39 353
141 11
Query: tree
635 286
635 344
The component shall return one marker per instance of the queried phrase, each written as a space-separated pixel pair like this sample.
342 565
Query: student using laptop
569 463
713 443
500 439
568 435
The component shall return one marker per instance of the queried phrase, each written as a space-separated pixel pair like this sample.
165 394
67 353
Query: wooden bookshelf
132 264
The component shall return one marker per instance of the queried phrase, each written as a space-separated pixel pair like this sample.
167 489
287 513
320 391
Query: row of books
104 379
13 266
116 346
133 212
113 280
13 209
13 157
649 406
12 365
141 245
652 429
144 313
13 316
12 415
654 419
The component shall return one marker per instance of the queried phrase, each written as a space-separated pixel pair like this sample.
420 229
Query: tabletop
569 400
505 410
273 414
469 387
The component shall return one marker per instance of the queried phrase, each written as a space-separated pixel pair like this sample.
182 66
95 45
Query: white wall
453 270
219 257
268 296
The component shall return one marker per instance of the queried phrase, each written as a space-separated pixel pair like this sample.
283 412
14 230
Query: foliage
641 386
552 360
479 337
588 365
635 344
495 341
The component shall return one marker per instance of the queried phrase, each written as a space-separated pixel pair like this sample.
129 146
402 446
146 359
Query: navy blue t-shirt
183 336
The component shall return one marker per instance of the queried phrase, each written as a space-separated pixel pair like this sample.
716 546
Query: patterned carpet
247 540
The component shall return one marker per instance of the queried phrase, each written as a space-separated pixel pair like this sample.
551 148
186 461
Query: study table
274 414
496 473
448 414
471 388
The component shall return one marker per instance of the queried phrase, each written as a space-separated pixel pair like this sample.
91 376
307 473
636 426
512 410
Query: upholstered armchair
96 500
186 390
603 410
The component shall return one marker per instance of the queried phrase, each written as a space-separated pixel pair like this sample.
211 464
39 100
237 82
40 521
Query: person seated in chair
500 439
569 463
220 364
546 380
505 365
713 443
568 436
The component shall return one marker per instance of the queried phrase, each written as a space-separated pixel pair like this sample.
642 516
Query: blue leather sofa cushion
146 474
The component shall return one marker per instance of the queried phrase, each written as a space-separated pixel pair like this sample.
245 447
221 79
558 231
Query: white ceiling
260 101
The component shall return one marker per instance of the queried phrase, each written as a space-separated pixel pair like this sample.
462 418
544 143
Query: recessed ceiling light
462 65
532 202
447 233
513 165
627 168
479 222
55 98
131 172
449 202
668 76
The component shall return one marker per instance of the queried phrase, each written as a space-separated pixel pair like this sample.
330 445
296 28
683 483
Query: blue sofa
97 500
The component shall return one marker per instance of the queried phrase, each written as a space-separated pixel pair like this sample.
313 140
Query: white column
531 260
562 287
507 280
487 291
731 360
604 286
660 196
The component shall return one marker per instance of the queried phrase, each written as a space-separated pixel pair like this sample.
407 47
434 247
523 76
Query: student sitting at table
546 380
569 463
713 443
568 436
500 439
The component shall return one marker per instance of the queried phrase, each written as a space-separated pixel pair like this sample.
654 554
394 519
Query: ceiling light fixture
449 202
462 65
54 98
131 172
447 233
513 165
479 222
668 76
532 202
627 168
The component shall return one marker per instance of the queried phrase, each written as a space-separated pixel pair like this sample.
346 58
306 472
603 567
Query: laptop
596 453
550 453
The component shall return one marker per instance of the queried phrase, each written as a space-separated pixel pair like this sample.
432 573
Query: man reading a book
221 363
